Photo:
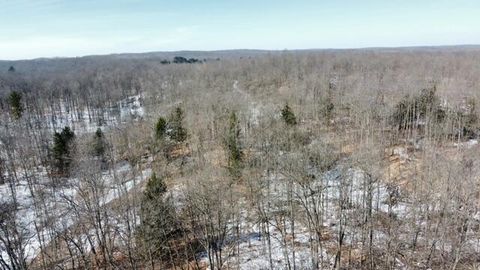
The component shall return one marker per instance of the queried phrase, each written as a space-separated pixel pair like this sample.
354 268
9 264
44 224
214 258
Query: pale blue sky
47 28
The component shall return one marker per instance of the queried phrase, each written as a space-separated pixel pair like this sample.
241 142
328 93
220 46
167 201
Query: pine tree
156 188
99 146
63 149
160 128
11 69
235 153
99 143
288 116
326 105
158 222
327 108
177 132
470 129
15 101
411 109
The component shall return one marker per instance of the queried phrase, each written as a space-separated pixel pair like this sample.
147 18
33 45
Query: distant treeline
182 60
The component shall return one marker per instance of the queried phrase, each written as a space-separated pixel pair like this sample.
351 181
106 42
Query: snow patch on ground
468 144
343 188
87 121
57 200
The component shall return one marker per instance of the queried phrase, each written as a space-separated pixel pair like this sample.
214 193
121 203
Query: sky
68 28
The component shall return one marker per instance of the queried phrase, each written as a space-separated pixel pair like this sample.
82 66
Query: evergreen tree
327 108
11 69
235 153
326 105
180 60
160 128
411 109
156 188
177 132
99 146
157 219
288 116
15 101
63 149
99 143
470 129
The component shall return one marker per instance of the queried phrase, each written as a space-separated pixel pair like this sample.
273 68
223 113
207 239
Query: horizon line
244 49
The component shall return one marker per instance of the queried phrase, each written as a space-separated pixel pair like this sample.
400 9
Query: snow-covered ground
44 209
468 144
87 121
57 201
251 250
343 190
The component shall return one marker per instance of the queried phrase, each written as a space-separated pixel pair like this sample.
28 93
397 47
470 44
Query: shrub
288 116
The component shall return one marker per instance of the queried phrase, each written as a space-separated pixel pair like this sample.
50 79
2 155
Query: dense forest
315 159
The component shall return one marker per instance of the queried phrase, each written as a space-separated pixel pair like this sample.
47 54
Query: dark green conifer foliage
288 116
15 101
160 128
63 149
156 187
411 109
177 132
327 109
471 128
158 222
99 144
235 153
